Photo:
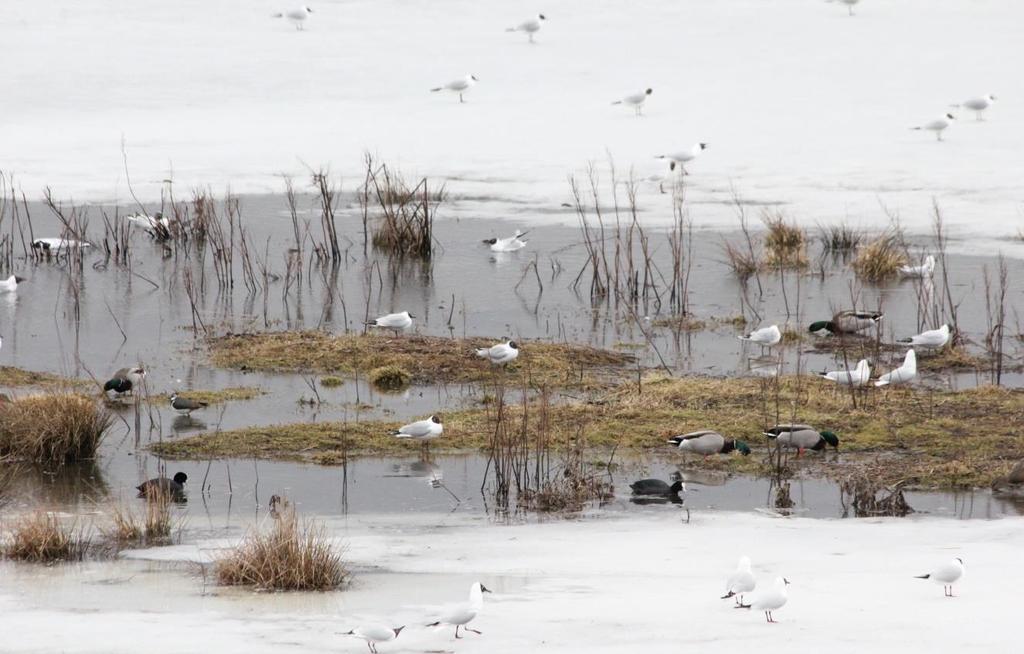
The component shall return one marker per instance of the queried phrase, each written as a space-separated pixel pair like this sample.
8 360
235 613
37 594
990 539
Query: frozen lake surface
802 105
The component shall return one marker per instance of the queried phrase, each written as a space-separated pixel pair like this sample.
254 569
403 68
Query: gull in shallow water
925 269
979 105
530 27
422 430
684 157
905 373
933 338
938 126
375 633
766 336
859 376
508 244
740 582
54 245
10 285
947 575
636 101
769 600
157 225
499 354
395 321
459 86
462 614
297 16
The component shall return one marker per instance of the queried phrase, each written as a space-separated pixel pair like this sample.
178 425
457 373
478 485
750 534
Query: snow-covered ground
615 584
800 103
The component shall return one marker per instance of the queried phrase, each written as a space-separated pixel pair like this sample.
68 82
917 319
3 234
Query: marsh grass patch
54 428
42 537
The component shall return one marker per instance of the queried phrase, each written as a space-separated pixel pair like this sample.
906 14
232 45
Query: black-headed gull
684 157
937 126
847 322
462 614
740 582
499 354
375 633
802 437
459 86
979 104
708 442
509 244
395 321
529 27
859 376
947 575
297 16
422 430
636 101
933 338
902 375
10 285
925 269
769 600
766 336
157 225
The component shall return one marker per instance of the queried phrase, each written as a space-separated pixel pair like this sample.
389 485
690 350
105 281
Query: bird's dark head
409 314
743 448
785 581
703 146
19 279
490 241
671 165
541 17
648 91
513 345
960 560
473 77
830 438
436 419
41 245
180 478
398 630
174 396
484 589
820 325
951 116
308 10
676 487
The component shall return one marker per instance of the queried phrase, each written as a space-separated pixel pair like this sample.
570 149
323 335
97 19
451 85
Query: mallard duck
124 380
847 322
708 442
802 437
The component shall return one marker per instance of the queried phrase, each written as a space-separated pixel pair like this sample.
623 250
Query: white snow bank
623 584
800 103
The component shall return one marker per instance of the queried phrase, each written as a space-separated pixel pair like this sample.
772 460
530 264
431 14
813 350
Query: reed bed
785 244
154 525
290 555
841 238
405 222
41 537
55 428
880 259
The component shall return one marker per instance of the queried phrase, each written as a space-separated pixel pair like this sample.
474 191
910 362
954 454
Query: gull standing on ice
933 338
766 336
802 437
10 285
685 157
375 633
947 575
297 16
859 376
926 269
462 614
500 354
530 27
709 442
636 101
769 600
979 104
939 125
740 582
395 321
509 244
905 373
422 430
459 86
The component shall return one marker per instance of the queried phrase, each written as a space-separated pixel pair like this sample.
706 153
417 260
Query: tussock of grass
234 394
57 428
786 244
291 555
11 377
390 378
840 238
428 359
743 263
153 526
330 381
937 439
40 537
881 258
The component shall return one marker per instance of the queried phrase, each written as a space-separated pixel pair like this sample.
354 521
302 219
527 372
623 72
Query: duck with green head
802 437
708 442
847 322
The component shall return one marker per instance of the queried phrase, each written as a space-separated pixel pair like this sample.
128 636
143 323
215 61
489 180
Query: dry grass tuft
880 259
841 238
330 381
390 378
40 537
289 556
154 526
786 244
743 262
57 428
